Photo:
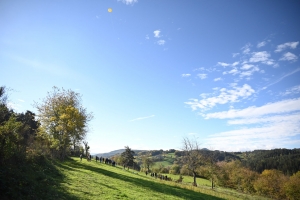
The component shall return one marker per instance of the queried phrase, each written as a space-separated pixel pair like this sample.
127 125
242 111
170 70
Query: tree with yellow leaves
270 183
64 119
292 187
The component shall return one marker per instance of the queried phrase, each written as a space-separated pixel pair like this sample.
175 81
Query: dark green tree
128 157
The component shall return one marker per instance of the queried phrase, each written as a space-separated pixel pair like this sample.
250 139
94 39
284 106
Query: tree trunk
195 183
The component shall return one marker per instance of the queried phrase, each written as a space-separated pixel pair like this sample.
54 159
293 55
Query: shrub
292 187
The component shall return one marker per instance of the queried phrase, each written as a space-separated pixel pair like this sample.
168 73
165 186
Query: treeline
285 160
27 144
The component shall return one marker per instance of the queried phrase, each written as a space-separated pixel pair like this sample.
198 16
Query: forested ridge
285 160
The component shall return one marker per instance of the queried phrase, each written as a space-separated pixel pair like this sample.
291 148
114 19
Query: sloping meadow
94 180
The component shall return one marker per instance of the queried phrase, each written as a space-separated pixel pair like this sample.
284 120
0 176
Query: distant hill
285 160
115 152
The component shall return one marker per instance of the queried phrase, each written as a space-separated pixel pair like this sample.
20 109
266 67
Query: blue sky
153 72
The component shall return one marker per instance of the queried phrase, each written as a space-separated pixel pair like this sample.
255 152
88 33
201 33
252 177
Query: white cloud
223 64
141 118
291 91
286 45
225 96
129 2
249 72
262 56
147 37
246 66
157 33
13 106
202 76
246 48
234 71
218 79
261 44
275 134
21 100
235 64
265 119
273 124
289 57
161 42
283 106
235 54
185 75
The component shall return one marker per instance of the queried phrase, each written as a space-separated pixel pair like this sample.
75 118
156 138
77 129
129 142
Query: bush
270 183
175 169
164 170
292 187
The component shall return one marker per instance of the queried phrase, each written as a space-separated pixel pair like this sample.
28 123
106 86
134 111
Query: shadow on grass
32 179
150 185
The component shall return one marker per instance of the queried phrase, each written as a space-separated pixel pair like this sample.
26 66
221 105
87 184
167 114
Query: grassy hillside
75 179
91 180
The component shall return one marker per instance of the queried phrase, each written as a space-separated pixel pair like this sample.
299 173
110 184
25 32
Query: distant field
91 180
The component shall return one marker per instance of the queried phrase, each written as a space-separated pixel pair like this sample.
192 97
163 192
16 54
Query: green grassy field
91 180
168 160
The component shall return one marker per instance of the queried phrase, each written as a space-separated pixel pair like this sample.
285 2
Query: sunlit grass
91 180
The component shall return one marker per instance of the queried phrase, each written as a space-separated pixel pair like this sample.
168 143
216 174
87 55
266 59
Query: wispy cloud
272 124
233 71
161 42
291 91
289 57
129 2
223 64
147 37
141 118
156 33
273 134
291 45
246 48
218 79
235 55
202 76
281 78
185 75
225 96
50 68
261 44
253 111
21 100
249 72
